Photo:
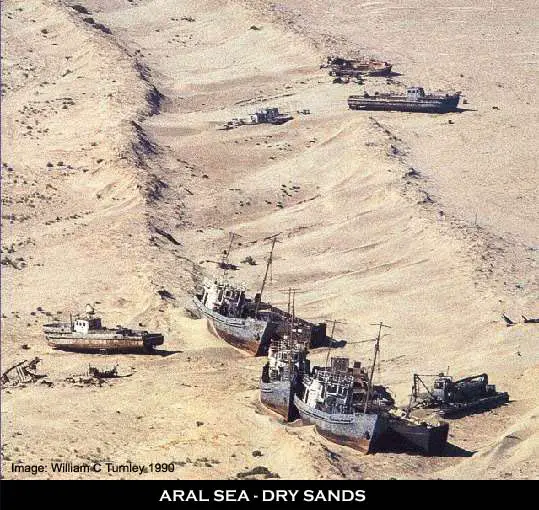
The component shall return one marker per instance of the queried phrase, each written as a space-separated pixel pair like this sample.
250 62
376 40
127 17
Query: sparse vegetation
80 9
249 260
261 471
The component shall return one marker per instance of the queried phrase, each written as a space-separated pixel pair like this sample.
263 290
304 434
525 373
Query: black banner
122 494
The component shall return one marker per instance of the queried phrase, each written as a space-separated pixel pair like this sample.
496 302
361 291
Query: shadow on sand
164 352
329 342
462 110
396 445
452 450
156 352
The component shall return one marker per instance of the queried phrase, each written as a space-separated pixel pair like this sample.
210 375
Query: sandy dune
128 121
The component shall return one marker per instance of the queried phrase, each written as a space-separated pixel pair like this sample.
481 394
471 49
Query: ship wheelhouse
415 93
86 324
223 298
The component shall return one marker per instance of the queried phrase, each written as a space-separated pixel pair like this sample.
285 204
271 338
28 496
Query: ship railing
329 376
280 344
57 327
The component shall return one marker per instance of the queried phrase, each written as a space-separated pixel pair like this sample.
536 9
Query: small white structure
415 93
265 115
83 324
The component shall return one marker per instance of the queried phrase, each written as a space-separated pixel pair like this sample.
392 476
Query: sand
111 139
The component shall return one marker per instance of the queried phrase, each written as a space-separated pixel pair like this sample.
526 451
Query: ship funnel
340 364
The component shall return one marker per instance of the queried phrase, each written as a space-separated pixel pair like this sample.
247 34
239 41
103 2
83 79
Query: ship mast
376 353
291 308
292 319
331 337
290 341
289 296
224 259
291 311
268 264
290 329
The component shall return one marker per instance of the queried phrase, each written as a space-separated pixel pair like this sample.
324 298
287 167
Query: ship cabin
441 387
265 115
340 62
280 357
330 390
84 325
224 298
415 93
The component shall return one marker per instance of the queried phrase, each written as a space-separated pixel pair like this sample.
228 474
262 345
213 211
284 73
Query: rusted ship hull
359 431
278 394
442 105
279 397
482 404
104 343
429 439
249 334
361 70
236 337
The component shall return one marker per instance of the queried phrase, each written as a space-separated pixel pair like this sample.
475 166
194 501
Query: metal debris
23 372
97 376
263 116
451 398
355 68
108 373
526 320
507 320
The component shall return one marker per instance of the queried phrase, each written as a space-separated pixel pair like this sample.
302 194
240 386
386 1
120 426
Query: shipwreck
339 67
415 100
85 333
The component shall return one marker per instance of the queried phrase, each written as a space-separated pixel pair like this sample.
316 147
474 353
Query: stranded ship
285 368
233 317
347 408
336 401
456 398
85 333
355 68
415 100
429 437
281 375
245 323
